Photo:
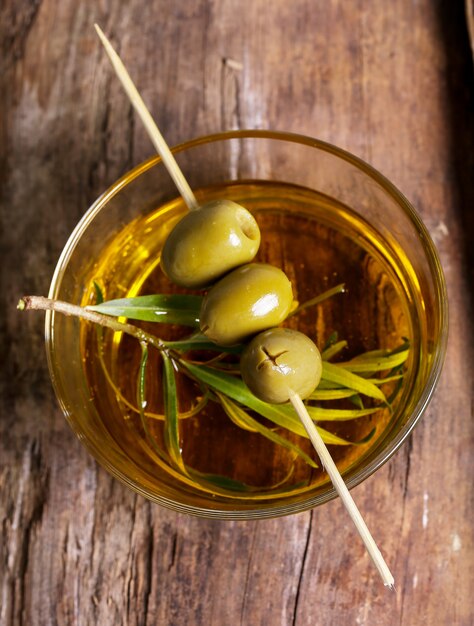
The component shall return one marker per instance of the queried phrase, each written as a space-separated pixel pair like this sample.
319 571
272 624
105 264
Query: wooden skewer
190 199
341 489
152 129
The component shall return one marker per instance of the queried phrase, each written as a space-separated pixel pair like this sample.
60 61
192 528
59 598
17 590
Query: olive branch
357 381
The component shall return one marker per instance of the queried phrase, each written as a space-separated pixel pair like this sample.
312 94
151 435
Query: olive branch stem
40 303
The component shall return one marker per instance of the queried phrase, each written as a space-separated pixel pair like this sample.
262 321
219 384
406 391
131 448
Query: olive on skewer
252 298
224 300
208 242
280 359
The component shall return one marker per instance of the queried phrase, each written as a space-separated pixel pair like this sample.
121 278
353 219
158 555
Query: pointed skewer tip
152 129
341 488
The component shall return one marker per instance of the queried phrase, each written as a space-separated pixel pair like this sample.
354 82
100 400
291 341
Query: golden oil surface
318 243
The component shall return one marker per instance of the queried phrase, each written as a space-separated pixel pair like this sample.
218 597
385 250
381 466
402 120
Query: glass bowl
284 179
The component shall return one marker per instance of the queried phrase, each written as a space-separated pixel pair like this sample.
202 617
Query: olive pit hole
248 226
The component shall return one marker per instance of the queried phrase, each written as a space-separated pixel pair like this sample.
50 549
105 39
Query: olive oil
318 243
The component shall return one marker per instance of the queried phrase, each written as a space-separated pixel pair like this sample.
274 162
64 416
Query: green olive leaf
338 415
141 402
244 420
141 387
332 350
357 401
166 309
171 428
236 414
318 299
337 374
327 385
99 295
330 394
396 391
331 340
223 483
365 439
375 362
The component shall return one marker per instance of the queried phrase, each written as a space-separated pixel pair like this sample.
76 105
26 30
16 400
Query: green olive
280 359
209 242
250 299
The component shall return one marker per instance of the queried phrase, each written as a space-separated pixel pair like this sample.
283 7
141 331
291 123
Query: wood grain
391 82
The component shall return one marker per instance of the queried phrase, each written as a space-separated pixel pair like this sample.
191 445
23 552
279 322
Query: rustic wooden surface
391 82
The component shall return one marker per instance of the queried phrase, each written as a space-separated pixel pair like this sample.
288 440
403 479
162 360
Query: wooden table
391 82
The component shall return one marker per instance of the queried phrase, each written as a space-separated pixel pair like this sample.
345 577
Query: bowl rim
440 296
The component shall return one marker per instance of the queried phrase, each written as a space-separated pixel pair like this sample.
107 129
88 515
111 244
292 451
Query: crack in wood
405 584
301 572
243 622
231 117
132 558
174 542
130 138
408 451
32 494
149 548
